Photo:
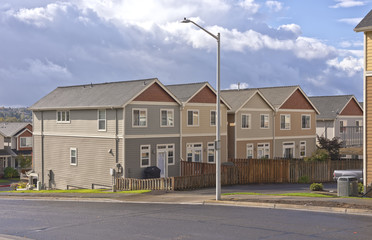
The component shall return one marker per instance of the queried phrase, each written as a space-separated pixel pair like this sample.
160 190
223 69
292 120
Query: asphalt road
83 220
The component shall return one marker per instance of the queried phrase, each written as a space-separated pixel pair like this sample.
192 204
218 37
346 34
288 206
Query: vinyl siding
204 140
1 142
310 146
368 127
350 122
369 51
132 156
153 120
325 128
231 136
242 147
295 129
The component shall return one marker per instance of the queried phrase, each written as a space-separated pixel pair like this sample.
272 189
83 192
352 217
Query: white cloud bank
347 4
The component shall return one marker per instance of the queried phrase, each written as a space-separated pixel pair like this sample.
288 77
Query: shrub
316 187
304 179
14 186
318 155
24 161
10 172
360 188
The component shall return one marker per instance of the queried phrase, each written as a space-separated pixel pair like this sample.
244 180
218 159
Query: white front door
161 162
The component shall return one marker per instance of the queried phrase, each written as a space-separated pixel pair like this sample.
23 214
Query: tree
332 146
24 161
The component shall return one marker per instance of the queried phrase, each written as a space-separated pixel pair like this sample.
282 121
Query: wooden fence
243 171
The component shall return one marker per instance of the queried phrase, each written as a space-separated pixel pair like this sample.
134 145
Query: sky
311 43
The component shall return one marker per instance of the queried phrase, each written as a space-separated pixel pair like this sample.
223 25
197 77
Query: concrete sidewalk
207 197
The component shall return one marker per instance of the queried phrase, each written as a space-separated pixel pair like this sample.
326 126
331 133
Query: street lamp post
217 144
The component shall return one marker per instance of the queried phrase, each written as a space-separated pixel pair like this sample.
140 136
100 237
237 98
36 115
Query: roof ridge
170 85
348 95
96 84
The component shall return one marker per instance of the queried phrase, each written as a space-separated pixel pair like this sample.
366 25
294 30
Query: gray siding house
81 132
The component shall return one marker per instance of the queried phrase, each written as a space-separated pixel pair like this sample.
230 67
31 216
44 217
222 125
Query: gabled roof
9 129
331 106
102 95
185 92
238 98
365 24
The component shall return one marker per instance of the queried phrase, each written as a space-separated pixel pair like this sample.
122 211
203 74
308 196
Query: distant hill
21 114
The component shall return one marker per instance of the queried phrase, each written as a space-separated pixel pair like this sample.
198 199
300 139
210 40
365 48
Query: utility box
347 186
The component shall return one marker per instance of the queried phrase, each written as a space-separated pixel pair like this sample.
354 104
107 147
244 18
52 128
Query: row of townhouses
81 132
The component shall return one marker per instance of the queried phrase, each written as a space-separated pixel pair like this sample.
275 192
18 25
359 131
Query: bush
318 155
304 179
360 188
24 161
14 186
10 172
316 187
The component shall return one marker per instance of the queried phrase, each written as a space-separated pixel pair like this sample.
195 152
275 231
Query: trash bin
347 186
151 172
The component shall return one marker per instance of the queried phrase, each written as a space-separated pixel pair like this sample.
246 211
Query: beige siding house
250 124
198 122
81 132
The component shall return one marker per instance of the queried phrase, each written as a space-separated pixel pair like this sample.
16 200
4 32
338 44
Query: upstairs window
305 122
139 118
102 120
167 118
342 126
192 118
25 142
63 116
264 121
246 121
285 121
213 118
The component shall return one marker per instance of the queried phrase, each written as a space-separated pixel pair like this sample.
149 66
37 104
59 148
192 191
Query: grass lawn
79 191
282 194
7 180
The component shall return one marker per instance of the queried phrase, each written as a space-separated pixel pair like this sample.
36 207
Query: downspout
181 148
365 117
124 122
274 145
116 137
42 148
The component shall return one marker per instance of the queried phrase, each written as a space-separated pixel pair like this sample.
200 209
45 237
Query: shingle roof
365 24
9 129
330 106
7 152
236 98
113 94
185 91
277 95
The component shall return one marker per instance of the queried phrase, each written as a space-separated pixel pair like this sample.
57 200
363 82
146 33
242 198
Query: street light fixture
217 144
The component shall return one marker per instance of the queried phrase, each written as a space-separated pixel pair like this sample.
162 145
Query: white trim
145 151
256 110
167 110
202 134
296 110
254 138
152 136
296 137
367 74
202 104
76 156
24 130
294 148
214 152
98 120
351 117
20 142
187 117
308 115
193 151
75 135
250 148
139 115
249 120
264 148
300 149
153 103
261 95
280 122
63 122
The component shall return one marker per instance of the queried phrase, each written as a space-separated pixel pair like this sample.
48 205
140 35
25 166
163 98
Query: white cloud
351 21
347 44
242 85
250 6
311 48
47 68
296 29
274 5
348 65
347 3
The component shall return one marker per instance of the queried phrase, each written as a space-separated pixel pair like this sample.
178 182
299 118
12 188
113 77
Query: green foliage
304 179
332 146
318 155
316 187
18 185
24 161
360 188
10 172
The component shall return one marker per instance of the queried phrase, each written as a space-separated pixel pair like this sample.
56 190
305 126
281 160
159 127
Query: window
25 142
213 118
167 118
170 149
264 121
263 150
302 149
139 118
358 126
194 152
288 150
102 120
342 126
246 121
63 116
145 151
211 152
249 151
73 156
193 118
285 121
305 122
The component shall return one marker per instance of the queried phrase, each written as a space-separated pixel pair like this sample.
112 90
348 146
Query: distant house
366 26
16 139
81 132
198 122
340 117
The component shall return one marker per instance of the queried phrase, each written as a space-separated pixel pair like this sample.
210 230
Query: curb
4 185
354 211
